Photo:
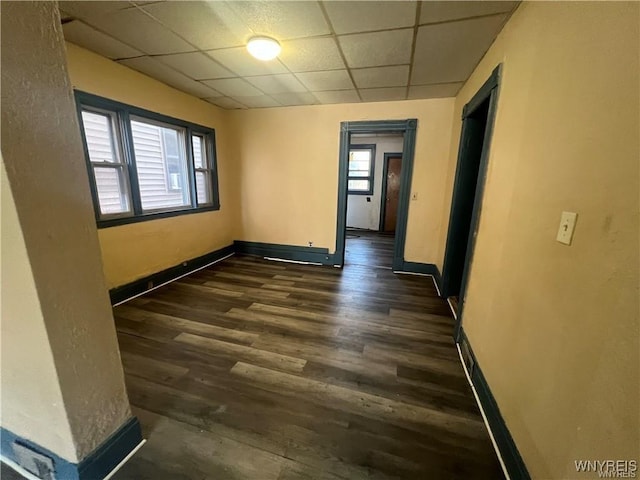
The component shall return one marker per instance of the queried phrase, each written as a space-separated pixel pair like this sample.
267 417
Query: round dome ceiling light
263 48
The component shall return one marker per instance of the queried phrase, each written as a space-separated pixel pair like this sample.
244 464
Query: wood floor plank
251 354
254 369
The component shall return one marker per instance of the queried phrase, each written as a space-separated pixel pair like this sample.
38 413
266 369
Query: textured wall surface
45 166
555 327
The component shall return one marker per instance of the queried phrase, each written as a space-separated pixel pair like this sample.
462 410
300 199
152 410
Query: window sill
113 222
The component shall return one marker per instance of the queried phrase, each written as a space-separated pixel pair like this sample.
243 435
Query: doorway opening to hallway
373 187
375 168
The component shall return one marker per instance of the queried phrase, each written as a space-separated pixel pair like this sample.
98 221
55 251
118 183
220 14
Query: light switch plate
567 225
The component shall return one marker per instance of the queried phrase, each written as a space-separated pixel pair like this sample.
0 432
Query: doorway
351 135
369 199
475 139
391 174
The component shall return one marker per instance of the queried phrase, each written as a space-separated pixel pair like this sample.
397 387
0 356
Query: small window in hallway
361 162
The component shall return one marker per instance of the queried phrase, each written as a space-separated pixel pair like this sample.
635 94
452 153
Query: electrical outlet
567 225
311 244
414 196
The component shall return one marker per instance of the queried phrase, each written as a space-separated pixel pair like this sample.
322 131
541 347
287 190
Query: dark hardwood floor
252 369
369 248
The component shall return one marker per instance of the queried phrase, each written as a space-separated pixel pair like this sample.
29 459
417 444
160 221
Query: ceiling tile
351 17
438 90
138 29
282 20
290 99
226 103
397 76
233 87
310 54
163 73
337 96
87 37
329 80
84 9
239 61
207 25
383 94
448 52
277 83
261 101
195 65
438 11
377 49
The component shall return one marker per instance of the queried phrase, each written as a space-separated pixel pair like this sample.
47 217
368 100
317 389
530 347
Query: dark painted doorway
475 139
408 129
390 191
473 130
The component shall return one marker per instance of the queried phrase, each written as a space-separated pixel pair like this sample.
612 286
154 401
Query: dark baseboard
98 464
508 449
424 268
285 252
137 287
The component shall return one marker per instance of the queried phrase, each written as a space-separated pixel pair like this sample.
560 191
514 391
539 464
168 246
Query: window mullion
130 160
212 163
188 142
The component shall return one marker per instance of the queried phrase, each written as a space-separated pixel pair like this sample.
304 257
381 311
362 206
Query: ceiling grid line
332 52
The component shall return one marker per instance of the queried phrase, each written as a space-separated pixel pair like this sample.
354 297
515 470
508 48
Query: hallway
252 369
369 248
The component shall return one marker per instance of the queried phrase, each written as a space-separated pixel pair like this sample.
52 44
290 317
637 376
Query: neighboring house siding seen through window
143 165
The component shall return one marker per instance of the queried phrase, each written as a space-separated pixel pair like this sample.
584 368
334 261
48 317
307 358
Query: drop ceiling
332 51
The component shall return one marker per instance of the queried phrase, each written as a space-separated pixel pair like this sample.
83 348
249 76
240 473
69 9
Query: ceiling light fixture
263 48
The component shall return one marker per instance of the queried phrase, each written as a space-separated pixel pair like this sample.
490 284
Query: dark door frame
488 91
383 192
408 129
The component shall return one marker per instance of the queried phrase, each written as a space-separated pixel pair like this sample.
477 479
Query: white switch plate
567 225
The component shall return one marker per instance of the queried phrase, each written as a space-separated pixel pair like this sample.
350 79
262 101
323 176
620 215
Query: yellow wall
289 171
134 251
555 327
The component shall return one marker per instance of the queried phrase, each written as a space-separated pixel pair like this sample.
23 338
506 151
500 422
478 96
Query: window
143 165
361 164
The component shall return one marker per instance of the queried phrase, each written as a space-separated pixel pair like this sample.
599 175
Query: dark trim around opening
408 129
488 91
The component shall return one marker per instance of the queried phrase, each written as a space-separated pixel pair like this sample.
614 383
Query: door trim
408 129
383 191
489 90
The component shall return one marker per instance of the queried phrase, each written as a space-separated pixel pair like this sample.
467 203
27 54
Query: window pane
361 155
199 157
358 185
358 173
359 165
161 165
99 134
111 192
202 187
